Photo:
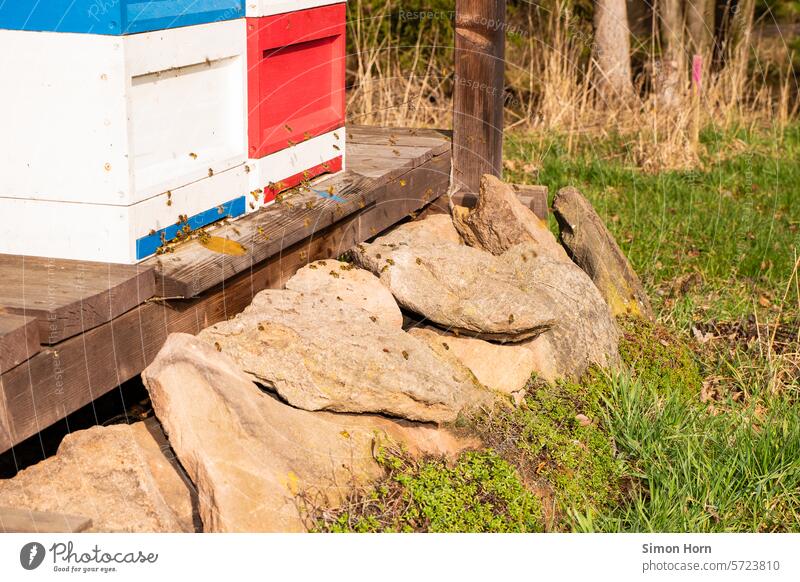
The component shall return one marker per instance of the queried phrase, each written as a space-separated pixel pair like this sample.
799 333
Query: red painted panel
329 167
296 76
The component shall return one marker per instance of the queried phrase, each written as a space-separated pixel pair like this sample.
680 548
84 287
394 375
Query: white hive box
101 131
256 8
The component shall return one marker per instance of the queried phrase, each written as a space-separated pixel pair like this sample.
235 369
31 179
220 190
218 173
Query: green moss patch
480 492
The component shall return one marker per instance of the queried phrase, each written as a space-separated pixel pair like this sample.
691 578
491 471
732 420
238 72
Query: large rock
117 476
319 353
585 332
347 283
458 287
501 368
499 221
251 456
594 250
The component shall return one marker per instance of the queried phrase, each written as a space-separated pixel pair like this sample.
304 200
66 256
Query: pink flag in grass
697 72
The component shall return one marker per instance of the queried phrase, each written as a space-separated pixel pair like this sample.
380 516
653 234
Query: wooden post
478 91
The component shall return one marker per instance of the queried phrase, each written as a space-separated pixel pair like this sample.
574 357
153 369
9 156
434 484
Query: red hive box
296 77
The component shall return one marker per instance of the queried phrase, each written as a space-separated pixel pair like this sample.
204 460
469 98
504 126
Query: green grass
730 229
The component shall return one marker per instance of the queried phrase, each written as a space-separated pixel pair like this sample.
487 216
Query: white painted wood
296 159
258 8
115 120
105 232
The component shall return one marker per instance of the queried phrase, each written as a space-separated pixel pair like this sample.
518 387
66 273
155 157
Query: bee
373 318
390 261
403 182
210 172
336 135
152 232
405 354
236 230
511 318
337 148
334 274
310 204
169 202
260 327
445 345
252 206
331 190
219 347
220 210
307 136
312 266
396 152
193 155
291 143
326 166
386 350
288 128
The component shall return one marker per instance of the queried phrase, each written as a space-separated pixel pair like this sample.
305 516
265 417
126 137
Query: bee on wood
396 152
334 274
511 318
445 346
373 318
219 347
405 354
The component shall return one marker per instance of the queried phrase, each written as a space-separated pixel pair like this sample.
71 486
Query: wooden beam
60 380
70 297
478 91
19 340
26 521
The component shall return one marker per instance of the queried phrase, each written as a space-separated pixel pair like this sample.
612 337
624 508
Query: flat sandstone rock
322 353
352 285
117 476
458 287
252 457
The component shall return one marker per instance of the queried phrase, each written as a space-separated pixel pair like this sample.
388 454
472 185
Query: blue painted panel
147 245
114 16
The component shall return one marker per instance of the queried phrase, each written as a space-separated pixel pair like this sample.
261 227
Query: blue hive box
114 17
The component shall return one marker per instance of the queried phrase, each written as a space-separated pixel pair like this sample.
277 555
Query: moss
659 358
557 441
480 492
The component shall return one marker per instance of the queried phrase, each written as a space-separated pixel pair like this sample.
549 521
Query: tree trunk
612 48
700 26
670 70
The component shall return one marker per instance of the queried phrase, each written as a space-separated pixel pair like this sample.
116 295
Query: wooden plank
27 521
534 197
19 340
70 297
478 91
60 380
192 268
389 136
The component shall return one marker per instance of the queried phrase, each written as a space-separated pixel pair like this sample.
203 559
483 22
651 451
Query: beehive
138 129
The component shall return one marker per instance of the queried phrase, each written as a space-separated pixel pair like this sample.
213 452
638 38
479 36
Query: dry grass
397 77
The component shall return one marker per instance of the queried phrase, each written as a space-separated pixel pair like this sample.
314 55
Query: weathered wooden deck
71 331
